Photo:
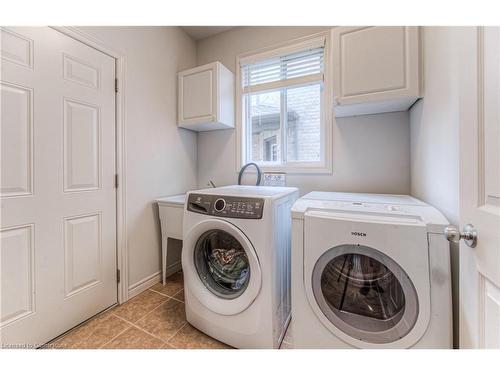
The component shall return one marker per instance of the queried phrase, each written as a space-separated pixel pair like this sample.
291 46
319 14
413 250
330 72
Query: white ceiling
200 32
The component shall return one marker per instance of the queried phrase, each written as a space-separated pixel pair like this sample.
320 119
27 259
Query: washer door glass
365 293
222 264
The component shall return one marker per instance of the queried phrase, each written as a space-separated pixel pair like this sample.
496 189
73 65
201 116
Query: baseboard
173 268
151 280
144 284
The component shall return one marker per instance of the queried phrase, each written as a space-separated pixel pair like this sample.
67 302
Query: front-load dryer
236 263
369 271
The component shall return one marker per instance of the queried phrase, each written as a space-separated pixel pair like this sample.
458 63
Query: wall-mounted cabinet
376 69
206 98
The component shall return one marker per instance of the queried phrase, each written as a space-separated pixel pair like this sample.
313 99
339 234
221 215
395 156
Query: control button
220 204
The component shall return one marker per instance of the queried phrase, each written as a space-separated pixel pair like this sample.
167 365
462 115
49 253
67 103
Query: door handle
469 234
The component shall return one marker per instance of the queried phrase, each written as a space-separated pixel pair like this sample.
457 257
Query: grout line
151 334
168 298
157 307
143 330
160 293
161 303
164 294
114 337
129 323
100 314
171 337
175 333
182 290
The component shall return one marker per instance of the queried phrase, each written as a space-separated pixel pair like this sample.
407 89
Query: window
283 120
271 149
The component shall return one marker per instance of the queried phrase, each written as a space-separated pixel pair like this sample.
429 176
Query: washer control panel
226 206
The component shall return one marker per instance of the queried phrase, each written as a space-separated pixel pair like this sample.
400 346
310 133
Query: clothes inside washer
229 267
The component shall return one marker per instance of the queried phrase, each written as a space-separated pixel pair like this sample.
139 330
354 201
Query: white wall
370 154
161 159
435 132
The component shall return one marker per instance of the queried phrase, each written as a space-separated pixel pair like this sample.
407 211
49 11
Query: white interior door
480 190
58 206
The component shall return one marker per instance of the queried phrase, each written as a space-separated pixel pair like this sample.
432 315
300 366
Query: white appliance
236 262
369 271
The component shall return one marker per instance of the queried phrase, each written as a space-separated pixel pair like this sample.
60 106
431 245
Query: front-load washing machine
369 271
236 263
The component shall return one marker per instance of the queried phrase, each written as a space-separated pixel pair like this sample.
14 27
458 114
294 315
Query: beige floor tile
164 321
179 295
174 284
134 338
190 338
93 334
139 306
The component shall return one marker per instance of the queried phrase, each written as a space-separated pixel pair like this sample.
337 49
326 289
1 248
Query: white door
480 189
58 247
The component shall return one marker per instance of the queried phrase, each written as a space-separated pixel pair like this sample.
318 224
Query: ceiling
200 32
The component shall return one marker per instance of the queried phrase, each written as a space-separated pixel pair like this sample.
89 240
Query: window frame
324 166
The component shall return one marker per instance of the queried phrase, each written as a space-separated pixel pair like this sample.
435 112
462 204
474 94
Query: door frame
121 169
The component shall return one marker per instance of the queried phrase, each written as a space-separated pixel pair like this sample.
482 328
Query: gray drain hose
259 173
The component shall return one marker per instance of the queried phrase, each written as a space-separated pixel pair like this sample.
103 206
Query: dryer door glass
365 293
222 263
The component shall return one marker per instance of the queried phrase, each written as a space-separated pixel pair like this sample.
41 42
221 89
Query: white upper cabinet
206 98
376 69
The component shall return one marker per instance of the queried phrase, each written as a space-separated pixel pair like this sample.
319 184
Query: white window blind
291 69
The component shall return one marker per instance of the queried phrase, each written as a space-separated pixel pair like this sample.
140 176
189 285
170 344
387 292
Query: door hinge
116 181
116 84
117 276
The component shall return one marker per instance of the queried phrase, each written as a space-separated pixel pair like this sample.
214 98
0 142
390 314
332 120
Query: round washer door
221 267
365 294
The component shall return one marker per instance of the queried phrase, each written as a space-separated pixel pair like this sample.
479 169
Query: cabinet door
377 63
198 96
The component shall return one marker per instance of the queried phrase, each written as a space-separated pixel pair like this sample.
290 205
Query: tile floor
154 319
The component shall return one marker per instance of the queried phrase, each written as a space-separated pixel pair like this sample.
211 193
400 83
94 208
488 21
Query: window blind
296 68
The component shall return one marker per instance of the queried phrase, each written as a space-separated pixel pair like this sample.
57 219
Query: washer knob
220 204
